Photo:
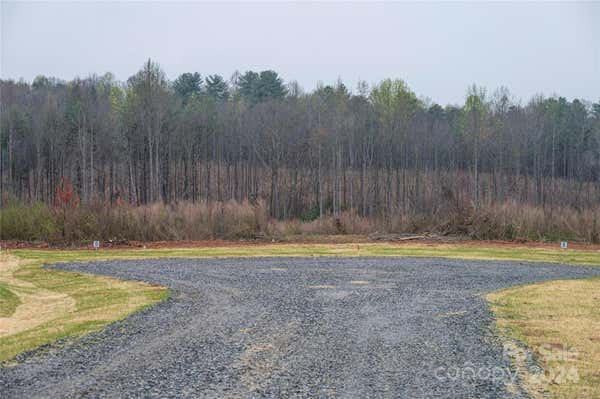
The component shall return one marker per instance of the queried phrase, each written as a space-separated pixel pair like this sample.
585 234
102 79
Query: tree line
376 150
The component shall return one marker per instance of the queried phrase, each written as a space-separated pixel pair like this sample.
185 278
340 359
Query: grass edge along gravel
32 260
552 335
49 305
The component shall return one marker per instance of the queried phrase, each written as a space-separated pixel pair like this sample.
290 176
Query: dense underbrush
235 221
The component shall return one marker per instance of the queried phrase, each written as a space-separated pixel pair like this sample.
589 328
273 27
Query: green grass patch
8 301
525 254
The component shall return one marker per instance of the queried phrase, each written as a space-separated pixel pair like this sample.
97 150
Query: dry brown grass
186 220
37 305
560 322
511 220
235 221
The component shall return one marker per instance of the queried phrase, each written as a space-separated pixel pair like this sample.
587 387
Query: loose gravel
292 327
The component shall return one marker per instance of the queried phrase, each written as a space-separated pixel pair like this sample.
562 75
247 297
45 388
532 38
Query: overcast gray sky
437 48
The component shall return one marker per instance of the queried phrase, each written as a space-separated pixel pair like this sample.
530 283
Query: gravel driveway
292 327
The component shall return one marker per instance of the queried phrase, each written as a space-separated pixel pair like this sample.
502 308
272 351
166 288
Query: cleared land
24 284
285 327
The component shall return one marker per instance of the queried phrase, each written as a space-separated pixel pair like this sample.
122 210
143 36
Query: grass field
560 322
457 251
8 301
39 306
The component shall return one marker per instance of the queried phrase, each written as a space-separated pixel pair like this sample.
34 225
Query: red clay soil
131 244
324 240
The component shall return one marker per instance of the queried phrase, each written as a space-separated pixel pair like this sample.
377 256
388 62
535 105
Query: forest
253 156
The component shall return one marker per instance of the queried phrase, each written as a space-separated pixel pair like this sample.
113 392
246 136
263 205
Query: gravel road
292 327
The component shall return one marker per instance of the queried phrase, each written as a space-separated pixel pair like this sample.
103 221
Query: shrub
28 223
234 221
